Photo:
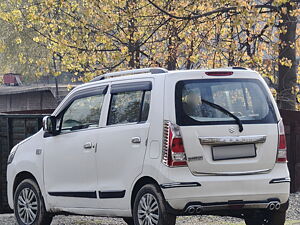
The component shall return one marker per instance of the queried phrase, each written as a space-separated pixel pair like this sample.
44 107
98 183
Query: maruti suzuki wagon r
148 145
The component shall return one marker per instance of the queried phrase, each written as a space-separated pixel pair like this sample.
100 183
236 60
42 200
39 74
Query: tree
249 33
18 52
287 57
91 37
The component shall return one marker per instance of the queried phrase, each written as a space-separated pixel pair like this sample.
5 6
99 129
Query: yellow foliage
280 2
285 62
93 37
18 41
56 73
2 46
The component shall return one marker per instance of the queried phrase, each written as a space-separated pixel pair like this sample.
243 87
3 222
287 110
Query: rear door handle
88 145
136 140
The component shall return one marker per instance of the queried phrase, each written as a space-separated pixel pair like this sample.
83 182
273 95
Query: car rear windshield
247 99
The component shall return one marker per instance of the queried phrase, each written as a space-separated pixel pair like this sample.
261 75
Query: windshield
245 98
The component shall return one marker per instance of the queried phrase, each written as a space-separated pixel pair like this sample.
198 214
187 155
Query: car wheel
29 207
255 219
268 218
149 207
277 218
128 220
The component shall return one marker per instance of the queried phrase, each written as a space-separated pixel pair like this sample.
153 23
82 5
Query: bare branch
213 12
190 17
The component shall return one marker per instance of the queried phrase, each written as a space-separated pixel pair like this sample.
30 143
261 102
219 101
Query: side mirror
49 124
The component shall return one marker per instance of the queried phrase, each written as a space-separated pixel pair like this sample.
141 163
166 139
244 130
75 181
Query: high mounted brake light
173 149
281 150
218 73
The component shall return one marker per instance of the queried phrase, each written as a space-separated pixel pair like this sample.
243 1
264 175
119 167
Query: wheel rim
27 206
148 211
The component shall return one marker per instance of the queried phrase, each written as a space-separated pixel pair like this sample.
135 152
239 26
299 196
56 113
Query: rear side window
129 107
245 98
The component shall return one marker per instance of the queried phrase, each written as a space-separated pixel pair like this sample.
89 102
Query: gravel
293 214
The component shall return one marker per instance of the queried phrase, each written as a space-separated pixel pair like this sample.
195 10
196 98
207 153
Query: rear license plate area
226 152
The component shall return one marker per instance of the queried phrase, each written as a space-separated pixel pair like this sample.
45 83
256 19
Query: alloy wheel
148 211
27 206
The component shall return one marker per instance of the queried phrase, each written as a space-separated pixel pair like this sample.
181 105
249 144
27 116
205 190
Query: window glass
129 107
246 99
146 106
83 113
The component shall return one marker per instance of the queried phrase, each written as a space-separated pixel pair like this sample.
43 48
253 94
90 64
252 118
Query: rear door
122 142
212 140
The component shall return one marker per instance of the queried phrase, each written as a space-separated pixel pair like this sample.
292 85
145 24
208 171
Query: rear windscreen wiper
222 109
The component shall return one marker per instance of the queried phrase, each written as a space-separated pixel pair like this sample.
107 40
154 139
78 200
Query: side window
146 106
83 113
129 107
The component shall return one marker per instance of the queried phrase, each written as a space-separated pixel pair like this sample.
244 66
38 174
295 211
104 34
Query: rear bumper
230 208
226 192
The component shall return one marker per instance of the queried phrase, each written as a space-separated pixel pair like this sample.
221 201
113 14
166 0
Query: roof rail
152 70
238 68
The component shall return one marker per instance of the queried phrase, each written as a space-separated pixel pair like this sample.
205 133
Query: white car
156 145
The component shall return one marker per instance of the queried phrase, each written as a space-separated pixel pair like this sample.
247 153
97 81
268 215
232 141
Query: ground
293 218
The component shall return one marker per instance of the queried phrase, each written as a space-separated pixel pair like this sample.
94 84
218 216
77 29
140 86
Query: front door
70 170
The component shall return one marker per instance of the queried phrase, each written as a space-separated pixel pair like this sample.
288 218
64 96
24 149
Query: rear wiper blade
222 109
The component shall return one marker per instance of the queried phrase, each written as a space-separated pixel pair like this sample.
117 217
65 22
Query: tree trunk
191 52
131 63
231 51
172 56
137 55
172 48
287 50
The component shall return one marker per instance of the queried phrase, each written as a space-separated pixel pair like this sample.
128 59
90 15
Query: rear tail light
219 73
173 149
281 152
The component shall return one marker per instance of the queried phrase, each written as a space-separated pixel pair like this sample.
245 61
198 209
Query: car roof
132 77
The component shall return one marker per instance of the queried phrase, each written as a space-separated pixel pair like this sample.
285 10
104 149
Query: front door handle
88 145
136 140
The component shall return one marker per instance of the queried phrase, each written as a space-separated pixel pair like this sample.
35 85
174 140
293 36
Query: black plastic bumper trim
112 194
87 194
221 208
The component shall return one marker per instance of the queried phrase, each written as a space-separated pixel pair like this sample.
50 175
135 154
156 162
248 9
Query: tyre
29 207
128 220
256 219
149 207
268 218
276 218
